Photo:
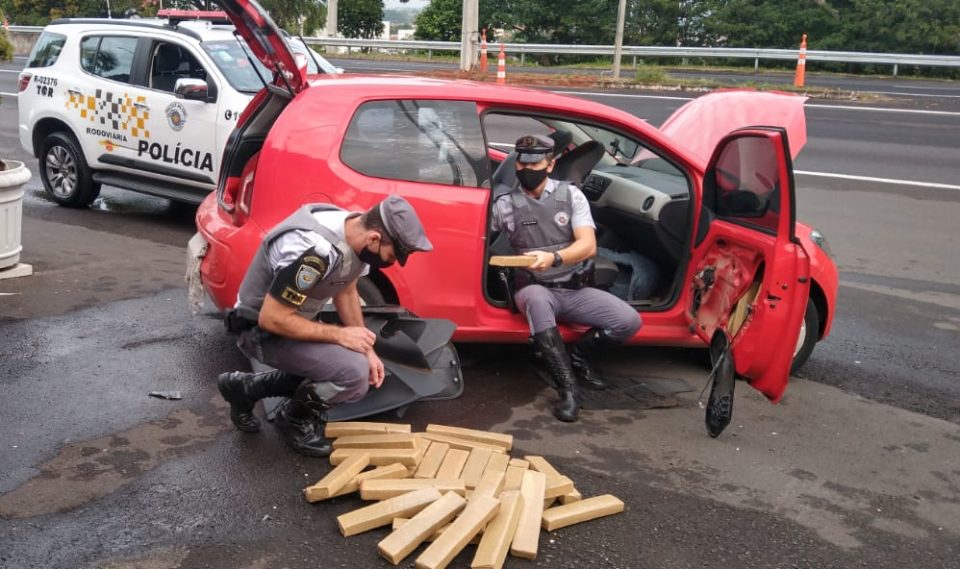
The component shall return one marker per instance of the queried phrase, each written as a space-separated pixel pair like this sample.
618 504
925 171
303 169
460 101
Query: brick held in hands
526 541
496 539
382 513
385 489
345 428
500 439
432 460
582 511
376 441
403 540
337 478
452 464
479 511
391 471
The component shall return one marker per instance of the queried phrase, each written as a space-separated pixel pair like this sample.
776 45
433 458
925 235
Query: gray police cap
404 227
533 148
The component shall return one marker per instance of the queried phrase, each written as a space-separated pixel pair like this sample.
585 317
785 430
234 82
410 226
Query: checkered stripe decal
112 111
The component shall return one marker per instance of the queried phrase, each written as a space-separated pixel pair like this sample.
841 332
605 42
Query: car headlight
821 241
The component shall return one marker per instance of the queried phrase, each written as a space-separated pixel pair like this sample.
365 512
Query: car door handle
142 106
74 92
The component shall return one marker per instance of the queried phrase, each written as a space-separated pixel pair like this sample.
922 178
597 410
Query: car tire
808 337
370 295
64 171
806 341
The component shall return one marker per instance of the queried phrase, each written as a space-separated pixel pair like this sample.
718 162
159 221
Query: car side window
748 183
47 49
110 57
437 142
169 62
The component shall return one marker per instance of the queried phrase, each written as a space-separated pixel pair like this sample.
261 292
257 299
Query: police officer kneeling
316 254
551 221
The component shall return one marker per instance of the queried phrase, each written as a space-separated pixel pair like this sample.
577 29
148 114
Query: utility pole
331 18
618 45
471 30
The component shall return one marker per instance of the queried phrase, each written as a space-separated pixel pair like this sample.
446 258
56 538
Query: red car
705 204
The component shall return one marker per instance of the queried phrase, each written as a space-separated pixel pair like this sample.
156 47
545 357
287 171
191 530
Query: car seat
167 64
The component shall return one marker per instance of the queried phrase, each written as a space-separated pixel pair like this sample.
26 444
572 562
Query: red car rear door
748 272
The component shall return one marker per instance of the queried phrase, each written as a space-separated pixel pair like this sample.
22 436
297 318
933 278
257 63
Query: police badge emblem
561 219
306 277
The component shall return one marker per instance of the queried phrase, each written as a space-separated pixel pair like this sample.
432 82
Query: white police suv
145 105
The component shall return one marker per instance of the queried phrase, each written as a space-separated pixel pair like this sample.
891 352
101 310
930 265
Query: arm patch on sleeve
296 279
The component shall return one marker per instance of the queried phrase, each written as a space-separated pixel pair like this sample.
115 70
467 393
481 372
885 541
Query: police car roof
199 30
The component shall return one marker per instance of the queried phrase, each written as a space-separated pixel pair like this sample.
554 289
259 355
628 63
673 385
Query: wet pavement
859 465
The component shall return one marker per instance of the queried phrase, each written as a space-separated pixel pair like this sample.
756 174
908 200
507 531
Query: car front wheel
807 338
64 171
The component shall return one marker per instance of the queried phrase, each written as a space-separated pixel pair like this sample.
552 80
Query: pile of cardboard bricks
452 487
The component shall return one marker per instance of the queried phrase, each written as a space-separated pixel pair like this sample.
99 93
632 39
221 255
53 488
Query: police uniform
303 263
547 223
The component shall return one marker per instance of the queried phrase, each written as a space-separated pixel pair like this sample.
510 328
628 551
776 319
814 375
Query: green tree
440 21
6 48
360 18
298 15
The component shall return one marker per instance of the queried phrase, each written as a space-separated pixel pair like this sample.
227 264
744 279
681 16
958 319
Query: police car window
438 142
231 59
110 57
46 50
170 62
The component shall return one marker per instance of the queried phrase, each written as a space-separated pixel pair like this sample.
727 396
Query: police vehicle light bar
183 15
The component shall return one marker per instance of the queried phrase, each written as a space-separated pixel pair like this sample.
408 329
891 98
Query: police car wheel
64 171
370 295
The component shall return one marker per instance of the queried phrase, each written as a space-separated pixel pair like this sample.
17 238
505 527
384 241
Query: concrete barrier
22 41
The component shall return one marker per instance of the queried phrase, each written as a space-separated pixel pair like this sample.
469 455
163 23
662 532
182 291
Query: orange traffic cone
483 51
501 66
801 64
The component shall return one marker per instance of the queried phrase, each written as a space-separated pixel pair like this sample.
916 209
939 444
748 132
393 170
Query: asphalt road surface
858 466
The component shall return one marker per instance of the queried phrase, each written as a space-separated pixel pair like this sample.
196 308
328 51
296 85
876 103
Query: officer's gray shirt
291 245
502 215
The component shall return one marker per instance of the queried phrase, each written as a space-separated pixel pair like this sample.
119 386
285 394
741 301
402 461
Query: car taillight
246 195
24 81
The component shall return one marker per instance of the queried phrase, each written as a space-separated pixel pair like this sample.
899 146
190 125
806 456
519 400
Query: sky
418 4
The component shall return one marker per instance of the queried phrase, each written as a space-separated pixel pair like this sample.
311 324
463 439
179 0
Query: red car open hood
699 125
265 39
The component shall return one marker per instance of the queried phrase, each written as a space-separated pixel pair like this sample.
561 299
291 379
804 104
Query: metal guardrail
524 49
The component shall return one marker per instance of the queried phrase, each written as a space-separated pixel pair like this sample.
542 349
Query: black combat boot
242 391
584 356
302 420
554 356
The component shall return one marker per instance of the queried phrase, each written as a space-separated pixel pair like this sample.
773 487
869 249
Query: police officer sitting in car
316 254
551 222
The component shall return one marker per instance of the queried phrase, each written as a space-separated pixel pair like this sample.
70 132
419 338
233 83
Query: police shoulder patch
293 297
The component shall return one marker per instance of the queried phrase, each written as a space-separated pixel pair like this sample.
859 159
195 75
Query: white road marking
878 180
808 105
9 71
8 94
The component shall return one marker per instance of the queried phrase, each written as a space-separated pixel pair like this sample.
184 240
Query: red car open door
750 275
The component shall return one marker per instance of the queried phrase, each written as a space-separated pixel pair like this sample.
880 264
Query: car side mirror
191 89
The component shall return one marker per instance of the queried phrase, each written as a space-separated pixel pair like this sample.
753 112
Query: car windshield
231 57
244 73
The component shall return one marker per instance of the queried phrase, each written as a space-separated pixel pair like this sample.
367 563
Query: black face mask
374 259
531 179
